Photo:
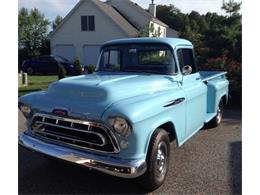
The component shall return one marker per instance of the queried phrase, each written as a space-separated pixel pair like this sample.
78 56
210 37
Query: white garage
90 54
67 51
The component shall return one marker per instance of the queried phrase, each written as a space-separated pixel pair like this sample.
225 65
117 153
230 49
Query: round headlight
121 126
26 110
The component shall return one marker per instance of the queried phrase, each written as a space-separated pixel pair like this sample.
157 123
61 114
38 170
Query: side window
111 60
185 57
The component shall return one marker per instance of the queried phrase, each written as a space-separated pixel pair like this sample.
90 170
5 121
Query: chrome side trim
112 166
174 102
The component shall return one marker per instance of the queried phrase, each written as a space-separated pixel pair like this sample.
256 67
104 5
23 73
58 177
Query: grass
36 83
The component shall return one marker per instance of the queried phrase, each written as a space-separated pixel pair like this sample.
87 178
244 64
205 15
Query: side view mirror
186 70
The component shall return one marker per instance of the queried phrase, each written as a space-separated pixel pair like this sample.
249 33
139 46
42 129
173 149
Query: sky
52 8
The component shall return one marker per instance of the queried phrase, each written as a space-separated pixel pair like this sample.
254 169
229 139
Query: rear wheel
218 118
157 160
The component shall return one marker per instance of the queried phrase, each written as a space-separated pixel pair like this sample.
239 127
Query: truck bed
217 87
210 75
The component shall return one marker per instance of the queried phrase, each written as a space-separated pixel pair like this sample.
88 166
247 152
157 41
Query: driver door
195 90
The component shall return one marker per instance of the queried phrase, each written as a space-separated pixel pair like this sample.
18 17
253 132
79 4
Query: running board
210 116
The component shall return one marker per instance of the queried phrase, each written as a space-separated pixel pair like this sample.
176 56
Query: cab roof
172 42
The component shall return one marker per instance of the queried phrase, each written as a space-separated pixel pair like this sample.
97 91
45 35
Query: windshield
150 58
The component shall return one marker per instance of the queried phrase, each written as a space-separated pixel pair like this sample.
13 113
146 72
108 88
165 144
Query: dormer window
87 23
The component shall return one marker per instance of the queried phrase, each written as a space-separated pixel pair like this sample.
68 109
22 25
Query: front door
195 90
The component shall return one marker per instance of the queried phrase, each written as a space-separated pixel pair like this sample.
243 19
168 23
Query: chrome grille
78 133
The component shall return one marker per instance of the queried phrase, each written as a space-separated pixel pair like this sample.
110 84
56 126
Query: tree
192 31
231 7
56 22
61 71
32 31
217 38
171 16
77 67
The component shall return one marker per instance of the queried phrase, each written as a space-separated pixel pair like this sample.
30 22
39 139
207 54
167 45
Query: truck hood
93 94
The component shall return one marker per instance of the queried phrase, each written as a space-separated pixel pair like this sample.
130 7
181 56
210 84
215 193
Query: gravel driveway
209 163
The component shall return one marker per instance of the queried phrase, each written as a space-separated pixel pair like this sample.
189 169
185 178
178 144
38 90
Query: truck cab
120 120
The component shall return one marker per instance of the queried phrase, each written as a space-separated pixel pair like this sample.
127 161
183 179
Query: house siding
156 30
70 33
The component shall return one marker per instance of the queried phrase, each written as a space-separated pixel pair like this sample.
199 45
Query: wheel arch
224 98
169 127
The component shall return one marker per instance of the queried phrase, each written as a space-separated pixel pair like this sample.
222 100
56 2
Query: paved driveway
209 163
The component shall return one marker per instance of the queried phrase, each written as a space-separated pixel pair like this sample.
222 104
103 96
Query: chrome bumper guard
111 166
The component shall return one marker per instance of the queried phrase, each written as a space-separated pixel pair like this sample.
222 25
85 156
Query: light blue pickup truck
120 120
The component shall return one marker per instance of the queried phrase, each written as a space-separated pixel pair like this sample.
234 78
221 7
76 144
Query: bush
77 66
61 71
234 74
91 68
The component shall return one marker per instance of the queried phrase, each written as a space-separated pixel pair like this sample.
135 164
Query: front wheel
157 160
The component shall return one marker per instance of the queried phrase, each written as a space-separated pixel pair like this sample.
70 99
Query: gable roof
171 32
139 9
109 11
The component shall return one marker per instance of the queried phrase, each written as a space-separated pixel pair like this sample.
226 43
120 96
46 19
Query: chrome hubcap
161 158
219 114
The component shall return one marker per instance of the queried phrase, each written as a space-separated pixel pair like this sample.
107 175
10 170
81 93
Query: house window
87 23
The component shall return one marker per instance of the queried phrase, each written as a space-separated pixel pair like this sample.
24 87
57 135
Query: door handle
198 78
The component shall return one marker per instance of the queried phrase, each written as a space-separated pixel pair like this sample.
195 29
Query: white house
92 22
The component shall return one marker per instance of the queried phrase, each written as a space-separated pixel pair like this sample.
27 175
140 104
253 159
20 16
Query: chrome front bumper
111 166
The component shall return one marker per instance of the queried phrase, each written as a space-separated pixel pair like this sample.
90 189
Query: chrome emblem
60 112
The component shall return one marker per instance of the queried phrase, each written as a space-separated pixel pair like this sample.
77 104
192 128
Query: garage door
90 54
66 51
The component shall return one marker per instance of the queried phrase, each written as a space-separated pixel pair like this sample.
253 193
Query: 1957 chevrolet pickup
120 120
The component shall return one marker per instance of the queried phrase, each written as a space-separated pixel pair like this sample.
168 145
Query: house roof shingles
139 9
117 18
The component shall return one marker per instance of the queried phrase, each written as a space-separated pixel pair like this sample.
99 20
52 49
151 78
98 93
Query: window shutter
91 20
84 23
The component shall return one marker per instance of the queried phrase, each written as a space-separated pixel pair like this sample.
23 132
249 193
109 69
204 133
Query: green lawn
36 83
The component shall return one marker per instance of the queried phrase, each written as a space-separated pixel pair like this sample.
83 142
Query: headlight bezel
115 122
25 109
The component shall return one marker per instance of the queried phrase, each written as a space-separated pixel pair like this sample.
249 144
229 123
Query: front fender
145 114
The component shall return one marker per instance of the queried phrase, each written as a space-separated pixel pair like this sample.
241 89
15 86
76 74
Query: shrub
61 71
77 67
234 74
91 68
